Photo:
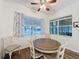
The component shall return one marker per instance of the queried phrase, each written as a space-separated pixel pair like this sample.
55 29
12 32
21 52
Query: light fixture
44 4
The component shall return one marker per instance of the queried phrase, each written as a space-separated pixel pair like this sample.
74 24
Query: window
37 30
26 30
53 27
61 26
30 26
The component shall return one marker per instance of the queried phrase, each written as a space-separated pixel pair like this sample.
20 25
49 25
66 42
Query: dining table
46 45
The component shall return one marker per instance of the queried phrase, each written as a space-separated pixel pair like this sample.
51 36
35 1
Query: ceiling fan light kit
43 7
43 4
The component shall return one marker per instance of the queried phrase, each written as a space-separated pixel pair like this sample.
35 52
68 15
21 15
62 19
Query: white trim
46 51
73 50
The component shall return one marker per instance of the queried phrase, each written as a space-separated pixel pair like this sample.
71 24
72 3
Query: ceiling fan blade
38 10
34 3
51 1
47 9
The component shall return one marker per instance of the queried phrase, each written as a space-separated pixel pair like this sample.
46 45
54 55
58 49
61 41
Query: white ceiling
53 8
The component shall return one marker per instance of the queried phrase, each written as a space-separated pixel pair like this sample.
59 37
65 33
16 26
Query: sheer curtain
17 24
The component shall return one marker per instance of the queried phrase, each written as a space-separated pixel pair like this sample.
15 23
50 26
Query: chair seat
12 47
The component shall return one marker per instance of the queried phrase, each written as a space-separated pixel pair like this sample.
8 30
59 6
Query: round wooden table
46 45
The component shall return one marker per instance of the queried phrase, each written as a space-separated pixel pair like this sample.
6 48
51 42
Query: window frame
58 20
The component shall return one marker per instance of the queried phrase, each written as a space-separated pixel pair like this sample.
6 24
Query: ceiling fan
43 4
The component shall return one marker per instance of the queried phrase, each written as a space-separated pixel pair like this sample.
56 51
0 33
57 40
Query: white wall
74 11
7 10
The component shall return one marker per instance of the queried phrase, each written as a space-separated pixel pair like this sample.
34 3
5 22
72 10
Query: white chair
59 54
33 53
10 46
1 48
61 51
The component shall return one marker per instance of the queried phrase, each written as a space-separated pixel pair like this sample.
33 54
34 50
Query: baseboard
74 51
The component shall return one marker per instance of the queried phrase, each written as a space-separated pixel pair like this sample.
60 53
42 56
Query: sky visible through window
31 26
